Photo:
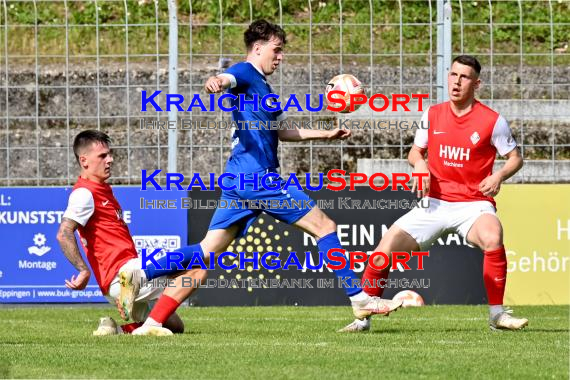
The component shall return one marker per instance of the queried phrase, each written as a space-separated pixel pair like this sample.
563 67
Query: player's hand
79 282
491 185
339 134
421 167
214 85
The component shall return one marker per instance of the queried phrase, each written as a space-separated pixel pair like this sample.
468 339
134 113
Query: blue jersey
253 149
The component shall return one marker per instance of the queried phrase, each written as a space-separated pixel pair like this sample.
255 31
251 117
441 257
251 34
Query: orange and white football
409 298
349 85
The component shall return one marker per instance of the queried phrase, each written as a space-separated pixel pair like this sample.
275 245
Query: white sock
361 296
495 310
151 322
120 330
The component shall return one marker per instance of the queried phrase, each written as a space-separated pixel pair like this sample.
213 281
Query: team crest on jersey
475 138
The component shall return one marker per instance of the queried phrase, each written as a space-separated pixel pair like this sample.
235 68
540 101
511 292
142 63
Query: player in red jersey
462 141
95 213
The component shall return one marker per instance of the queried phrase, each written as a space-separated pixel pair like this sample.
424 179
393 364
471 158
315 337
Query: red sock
130 327
164 308
495 275
371 278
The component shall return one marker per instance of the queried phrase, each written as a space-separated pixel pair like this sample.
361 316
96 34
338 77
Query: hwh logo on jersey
454 153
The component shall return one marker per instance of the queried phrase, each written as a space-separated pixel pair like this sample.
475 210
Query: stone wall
36 135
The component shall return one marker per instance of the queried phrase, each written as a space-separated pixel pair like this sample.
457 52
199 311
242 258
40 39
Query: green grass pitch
287 342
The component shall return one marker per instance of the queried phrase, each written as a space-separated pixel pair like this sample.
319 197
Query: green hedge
110 15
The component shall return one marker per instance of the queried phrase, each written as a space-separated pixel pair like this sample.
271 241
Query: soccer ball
349 85
409 298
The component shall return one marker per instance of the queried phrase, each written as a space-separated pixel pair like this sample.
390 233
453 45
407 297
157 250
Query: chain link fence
67 66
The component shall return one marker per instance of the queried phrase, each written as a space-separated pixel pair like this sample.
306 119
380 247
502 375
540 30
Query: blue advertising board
32 265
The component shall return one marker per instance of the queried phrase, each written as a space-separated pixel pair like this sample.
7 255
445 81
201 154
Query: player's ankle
151 322
363 322
359 297
495 310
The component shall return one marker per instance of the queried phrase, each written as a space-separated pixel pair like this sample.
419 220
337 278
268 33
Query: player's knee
491 240
380 260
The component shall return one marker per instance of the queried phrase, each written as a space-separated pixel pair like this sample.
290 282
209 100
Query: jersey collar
103 185
464 116
257 68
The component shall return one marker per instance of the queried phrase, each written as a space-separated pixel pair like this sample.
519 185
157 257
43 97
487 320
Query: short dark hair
470 61
86 138
262 30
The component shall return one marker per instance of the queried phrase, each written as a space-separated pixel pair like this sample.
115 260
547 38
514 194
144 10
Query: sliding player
94 212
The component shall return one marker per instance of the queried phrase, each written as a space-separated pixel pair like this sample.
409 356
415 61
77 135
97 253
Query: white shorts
147 295
426 225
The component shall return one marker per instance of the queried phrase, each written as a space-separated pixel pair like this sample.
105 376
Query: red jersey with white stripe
104 234
462 150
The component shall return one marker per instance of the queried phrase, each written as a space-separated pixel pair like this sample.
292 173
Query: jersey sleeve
421 139
502 137
231 77
80 206
237 75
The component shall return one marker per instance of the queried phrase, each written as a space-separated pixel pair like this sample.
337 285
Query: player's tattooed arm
68 244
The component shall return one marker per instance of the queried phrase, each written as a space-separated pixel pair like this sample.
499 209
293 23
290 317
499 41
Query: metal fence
66 66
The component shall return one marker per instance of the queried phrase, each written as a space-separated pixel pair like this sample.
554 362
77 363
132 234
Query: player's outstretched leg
363 305
163 320
162 314
131 279
318 224
216 241
395 239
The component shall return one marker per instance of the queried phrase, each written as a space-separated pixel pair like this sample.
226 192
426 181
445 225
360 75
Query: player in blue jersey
254 153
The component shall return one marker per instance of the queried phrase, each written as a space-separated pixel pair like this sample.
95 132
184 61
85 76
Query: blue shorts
242 207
